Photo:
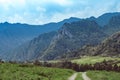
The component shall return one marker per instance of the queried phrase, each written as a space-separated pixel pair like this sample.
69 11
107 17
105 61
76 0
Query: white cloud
118 6
44 11
12 2
15 18
40 9
62 2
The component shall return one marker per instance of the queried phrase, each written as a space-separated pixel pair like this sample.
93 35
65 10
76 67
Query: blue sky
45 11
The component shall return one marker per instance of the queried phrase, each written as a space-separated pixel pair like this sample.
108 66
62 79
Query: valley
30 72
27 71
59 40
73 49
74 38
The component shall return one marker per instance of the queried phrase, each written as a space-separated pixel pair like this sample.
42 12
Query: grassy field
103 75
79 76
93 59
17 72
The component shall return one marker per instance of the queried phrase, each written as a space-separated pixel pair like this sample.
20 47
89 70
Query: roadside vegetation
10 71
93 59
60 70
79 76
103 75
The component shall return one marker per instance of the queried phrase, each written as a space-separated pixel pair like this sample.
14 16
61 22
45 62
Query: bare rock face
73 36
110 47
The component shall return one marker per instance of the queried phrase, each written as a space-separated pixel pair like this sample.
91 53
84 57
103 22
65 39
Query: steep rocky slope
13 35
73 39
109 47
73 36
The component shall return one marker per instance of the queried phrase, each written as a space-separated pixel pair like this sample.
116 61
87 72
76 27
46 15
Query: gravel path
73 77
85 77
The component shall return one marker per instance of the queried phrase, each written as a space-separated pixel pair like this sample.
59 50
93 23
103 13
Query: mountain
82 34
71 36
32 49
113 25
13 35
109 47
104 19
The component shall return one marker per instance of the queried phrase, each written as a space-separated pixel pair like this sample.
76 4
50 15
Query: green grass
16 72
79 76
93 59
103 75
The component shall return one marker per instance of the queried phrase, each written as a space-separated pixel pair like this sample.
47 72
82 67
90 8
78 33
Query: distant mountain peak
109 14
71 34
5 23
74 18
104 19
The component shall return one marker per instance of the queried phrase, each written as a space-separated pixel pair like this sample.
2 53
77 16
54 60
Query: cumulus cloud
44 11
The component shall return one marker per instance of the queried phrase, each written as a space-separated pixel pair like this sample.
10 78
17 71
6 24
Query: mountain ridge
70 37
13 35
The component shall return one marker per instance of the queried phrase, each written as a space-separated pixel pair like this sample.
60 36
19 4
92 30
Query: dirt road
85 77
73 77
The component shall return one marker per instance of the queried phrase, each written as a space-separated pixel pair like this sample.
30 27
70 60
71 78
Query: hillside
32 49
81 34
109 47
70 40
32 72
113 26
105 18
13 35
73 36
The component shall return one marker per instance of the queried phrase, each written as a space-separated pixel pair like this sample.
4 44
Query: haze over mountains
13 35
22 42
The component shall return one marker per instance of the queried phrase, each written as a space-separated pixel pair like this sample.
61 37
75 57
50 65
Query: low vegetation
38 70
108 65
103 75
79 76
93 59
10 71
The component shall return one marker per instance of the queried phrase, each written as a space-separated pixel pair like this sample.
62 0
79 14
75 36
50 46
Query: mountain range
13 35
58 39
108 47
